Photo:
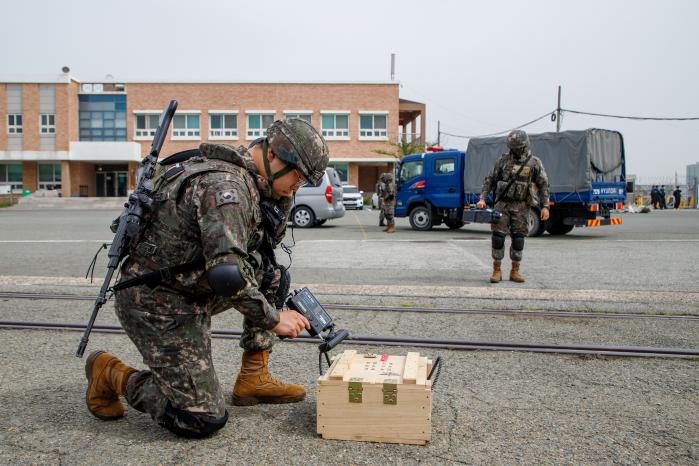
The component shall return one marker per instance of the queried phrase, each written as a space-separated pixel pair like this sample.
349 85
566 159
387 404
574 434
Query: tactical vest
171 235
519 189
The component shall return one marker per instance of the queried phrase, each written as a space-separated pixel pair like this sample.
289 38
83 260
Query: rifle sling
514 178
153 279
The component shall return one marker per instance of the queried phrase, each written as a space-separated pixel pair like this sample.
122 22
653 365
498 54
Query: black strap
153 279
514 178
181 157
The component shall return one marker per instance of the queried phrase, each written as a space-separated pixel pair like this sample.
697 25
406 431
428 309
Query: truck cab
430 189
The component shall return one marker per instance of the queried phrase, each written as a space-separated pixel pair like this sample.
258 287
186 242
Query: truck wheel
559 228
421 218
536 226
454 224
303 217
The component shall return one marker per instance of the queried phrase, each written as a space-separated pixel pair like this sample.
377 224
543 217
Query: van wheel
303 217
536 226
421 218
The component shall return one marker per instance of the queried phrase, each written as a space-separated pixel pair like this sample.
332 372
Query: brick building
87 138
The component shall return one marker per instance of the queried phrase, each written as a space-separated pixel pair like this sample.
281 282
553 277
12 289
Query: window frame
55 182
300 114
50 126
149 132
375 133
186 137
5 176
326 132
233 136
15 128
255 133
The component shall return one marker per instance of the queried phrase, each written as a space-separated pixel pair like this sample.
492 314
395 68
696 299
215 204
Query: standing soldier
208 246
514 176
379 194
677 195
388 201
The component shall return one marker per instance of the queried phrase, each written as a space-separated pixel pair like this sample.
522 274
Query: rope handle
436 370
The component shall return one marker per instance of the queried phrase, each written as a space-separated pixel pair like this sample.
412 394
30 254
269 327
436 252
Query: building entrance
111 181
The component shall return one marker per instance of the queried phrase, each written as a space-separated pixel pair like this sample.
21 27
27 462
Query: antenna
393 67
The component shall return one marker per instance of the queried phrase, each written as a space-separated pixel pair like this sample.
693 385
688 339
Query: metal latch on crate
390 393
354 387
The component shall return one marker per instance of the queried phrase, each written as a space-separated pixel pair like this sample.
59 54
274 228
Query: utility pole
558 111
439 133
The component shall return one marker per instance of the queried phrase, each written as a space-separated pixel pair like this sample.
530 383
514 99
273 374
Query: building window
47 123
185 127
373 126
306 116
223 126
14 123
11 175
335 125
258 124
342 170
50 176
146 124
102 117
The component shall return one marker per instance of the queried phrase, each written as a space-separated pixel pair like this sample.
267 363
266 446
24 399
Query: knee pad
191 425
498 240
518 242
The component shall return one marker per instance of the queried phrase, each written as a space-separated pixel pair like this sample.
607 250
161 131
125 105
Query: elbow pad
226 279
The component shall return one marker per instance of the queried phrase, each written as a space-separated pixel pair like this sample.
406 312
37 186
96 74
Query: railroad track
421 310
449 344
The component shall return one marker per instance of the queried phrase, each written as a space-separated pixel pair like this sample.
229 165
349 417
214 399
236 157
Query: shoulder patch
173 171
226 197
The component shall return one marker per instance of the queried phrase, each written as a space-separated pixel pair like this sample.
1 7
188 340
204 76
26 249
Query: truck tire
303 217
421 218
454 224
557 228
536 226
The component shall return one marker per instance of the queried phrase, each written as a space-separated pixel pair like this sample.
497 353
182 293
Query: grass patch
5 203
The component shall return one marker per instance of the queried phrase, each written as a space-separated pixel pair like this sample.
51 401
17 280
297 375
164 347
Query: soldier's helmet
300 145
387 177
517 139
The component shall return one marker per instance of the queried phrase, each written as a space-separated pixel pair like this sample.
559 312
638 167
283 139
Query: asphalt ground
489 407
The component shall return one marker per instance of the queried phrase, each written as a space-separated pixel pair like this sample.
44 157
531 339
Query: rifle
139 203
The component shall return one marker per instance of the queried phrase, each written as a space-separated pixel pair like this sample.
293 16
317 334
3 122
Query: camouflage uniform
379 189
387 197
530 189
207 208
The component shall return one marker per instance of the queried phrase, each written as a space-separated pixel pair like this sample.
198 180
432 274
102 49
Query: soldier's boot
391 228
496 277
106 382
256 385
515 276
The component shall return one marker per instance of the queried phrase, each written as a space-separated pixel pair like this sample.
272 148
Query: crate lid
411 369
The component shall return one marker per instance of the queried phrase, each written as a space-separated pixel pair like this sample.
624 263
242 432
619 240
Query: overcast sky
480 67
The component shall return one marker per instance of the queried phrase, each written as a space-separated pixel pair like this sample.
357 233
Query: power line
545 115
629 117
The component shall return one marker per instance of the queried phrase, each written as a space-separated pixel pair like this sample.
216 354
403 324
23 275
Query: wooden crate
376 398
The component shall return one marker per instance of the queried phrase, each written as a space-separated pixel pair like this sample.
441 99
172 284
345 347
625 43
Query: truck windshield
410 170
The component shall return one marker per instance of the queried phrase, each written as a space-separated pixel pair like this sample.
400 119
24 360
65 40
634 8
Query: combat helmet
517 139
300 145
386 177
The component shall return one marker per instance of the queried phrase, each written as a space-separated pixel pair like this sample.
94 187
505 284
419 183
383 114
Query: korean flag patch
226 197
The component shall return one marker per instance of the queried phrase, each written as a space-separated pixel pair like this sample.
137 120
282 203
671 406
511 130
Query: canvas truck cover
573 159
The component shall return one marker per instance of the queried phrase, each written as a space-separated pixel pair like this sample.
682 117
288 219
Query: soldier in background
218 214
388 201
662 197
677 195
519 170
379 190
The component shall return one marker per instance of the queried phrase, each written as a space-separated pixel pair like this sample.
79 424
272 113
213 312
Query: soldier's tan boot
515 276
496 277
106 382
256 385
391 228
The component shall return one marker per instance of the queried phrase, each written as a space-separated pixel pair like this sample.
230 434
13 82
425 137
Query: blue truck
586 170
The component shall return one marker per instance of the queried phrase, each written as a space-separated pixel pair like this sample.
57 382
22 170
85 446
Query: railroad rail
449 344
421 310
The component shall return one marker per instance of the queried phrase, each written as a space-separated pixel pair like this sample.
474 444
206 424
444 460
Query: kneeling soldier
211 215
